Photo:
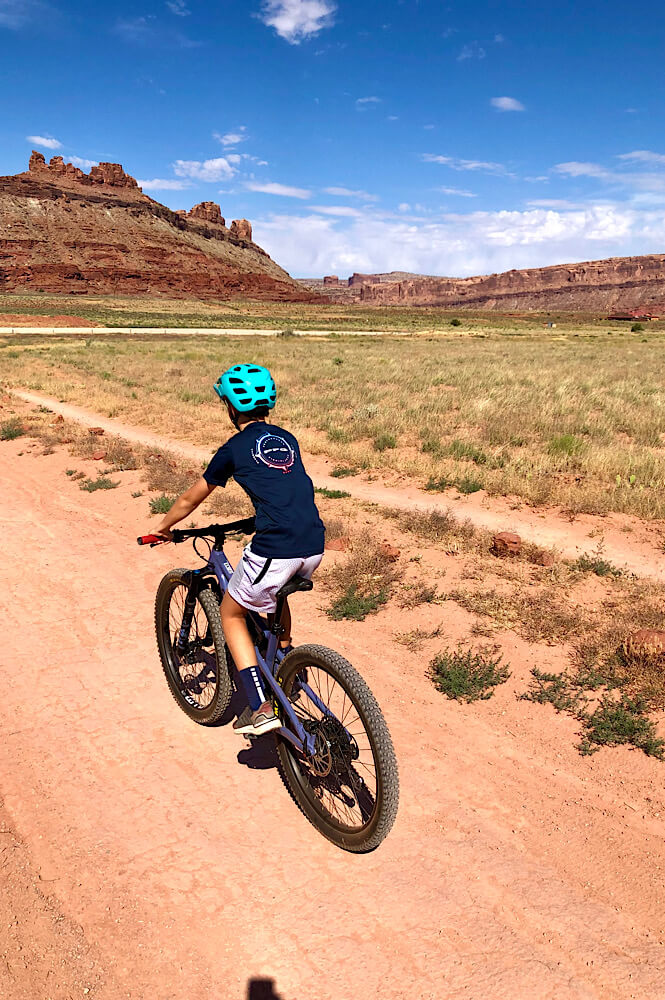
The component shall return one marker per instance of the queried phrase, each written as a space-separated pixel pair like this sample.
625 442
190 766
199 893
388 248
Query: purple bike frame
269 666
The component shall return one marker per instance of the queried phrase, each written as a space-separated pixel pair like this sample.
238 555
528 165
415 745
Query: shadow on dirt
260 755
262 989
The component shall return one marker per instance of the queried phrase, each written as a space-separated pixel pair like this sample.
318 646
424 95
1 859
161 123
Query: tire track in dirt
515 869
628 542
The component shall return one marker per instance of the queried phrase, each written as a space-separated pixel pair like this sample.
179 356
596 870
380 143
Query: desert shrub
456 322
467 451
463 675
101 483
416 594
467 484
161 505
594 563
341 471
384 441
164 473
636 328
619 723
12 429
362 582
351 604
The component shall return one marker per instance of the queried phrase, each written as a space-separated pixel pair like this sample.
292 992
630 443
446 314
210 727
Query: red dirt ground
143 856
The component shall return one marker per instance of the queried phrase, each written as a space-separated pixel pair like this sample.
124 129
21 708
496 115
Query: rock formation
596 286
66 231
209 211
242 229
331 279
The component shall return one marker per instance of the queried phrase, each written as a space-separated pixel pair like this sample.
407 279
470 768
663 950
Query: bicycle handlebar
216 531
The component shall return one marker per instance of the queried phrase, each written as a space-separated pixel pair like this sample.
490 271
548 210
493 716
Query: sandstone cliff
620 283
65 231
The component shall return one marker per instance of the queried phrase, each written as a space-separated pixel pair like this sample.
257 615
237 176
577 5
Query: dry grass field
124 311
549 416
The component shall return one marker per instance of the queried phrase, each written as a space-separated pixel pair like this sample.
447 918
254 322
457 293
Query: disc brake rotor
332 746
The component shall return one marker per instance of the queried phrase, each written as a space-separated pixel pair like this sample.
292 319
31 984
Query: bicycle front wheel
198 675
349 787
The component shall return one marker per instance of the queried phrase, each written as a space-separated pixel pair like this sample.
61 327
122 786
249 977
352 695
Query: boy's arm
184 505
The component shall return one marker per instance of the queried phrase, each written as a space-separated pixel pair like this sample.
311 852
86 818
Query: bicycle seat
295 583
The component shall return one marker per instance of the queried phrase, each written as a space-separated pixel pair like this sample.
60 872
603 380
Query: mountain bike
335 753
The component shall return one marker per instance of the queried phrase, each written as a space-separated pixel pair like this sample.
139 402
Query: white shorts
257 579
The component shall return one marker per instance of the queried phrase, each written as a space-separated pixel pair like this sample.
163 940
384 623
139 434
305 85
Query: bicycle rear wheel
349 789
199 678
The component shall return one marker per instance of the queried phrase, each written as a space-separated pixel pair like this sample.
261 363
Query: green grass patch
466 451
341 471
161 505
101 483
384 442
356 606
465 675
565 446
331 494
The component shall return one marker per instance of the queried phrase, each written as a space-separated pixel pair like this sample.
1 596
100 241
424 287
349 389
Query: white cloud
393 118
507 104
575 168
643 156
161 184
561 203
83 164
457 192
344 211
484 166
15 14
46 141
458 244
148 32
342 192
284 190
365 103
471 51
178 7
218 169
231 138
498 39
404 207
298 20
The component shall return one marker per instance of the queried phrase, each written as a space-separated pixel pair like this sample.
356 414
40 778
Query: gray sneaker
263 720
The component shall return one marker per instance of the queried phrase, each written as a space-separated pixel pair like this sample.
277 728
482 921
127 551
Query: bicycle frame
269 664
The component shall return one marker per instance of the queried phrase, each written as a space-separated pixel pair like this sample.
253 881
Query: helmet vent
252 370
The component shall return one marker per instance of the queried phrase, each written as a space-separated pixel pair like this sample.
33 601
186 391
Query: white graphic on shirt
275 452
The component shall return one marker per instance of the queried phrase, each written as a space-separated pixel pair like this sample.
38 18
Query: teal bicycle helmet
246 387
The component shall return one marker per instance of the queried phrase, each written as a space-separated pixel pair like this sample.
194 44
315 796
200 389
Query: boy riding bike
265 461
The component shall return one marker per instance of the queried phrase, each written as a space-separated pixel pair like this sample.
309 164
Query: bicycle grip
150 540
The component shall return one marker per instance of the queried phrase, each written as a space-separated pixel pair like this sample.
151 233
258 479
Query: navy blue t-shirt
265 460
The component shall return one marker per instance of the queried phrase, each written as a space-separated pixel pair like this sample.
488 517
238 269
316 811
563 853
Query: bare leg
237 634
285 639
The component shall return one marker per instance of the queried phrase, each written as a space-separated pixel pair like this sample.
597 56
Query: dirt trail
516 869
627 542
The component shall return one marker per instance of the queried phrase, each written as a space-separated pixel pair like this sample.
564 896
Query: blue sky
440 138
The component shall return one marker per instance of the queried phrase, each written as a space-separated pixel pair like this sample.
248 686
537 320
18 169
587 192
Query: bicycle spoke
348 792
197 669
